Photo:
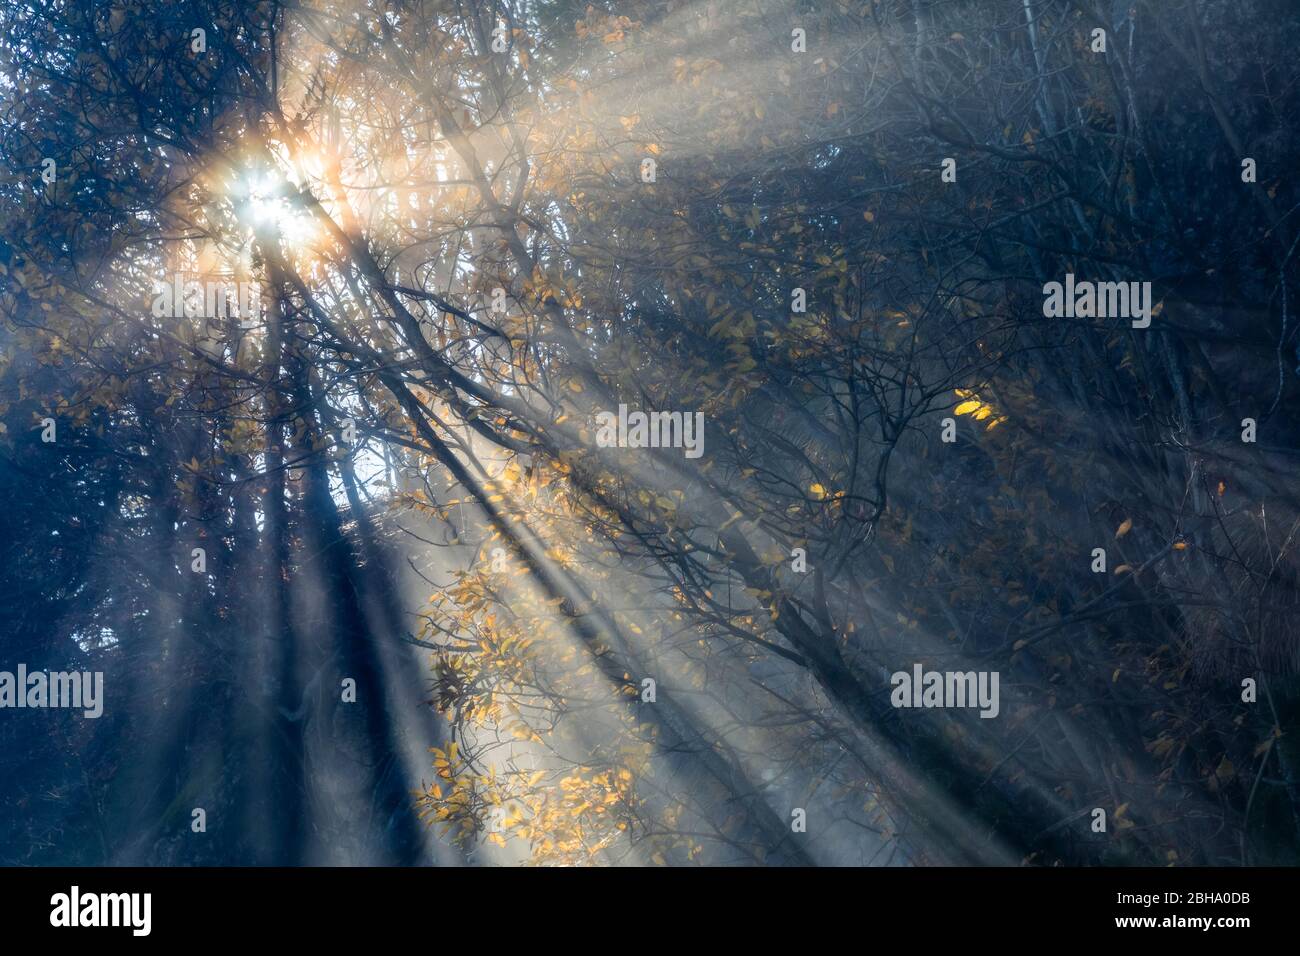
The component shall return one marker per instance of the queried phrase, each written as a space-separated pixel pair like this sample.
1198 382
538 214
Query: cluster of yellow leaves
508 671
565 817
573 821
610 29
977 408
821 493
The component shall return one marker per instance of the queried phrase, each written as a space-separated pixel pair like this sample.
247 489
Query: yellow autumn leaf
1124 528
965 408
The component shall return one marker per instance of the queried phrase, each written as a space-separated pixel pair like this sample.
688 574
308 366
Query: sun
267 203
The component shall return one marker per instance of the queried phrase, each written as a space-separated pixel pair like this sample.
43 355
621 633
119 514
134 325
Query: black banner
334 906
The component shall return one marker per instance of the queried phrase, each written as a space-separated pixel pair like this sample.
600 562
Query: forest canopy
724 432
